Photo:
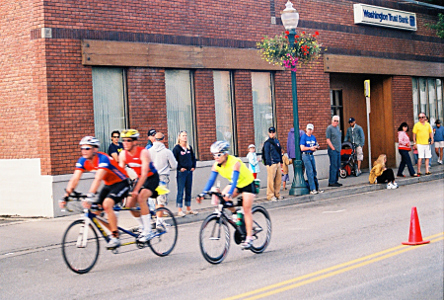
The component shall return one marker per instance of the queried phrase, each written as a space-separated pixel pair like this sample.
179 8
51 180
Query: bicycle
80 243
214 235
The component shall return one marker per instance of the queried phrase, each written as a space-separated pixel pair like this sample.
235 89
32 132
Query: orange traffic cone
415 236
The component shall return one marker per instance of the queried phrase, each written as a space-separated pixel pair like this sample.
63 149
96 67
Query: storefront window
429 99
180 105
262 106
110 104
336 107
224 103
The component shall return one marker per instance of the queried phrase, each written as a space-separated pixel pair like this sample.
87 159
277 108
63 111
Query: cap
251 146
310 126
351 120
271 129
438 122
151 132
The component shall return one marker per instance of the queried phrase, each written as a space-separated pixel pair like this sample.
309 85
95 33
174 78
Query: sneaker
181 214
274 199
137 229
337 184
320 191
145 237
394 185
245 245
160 227
440 162
313 192
359 172
390 186
191 212
113 243
280 198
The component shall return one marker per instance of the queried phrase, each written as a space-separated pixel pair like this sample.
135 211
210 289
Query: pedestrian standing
355 135
273 159
164 161
422 139
151 139
285 162
333 135
253 164
404 149
309 145
186 164
116 146
438 131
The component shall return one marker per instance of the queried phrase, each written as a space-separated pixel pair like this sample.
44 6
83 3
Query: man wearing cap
355 135
309 145
151 139
272 158
438 132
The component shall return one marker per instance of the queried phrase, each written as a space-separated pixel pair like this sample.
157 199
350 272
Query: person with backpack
271 153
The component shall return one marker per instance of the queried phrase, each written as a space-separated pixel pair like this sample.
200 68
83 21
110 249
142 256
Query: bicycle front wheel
214 239
80 247
261 229
166 232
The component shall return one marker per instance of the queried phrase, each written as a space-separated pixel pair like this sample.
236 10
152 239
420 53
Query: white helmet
90 140
220 147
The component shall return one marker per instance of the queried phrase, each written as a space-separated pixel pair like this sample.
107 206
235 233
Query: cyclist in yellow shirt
241 182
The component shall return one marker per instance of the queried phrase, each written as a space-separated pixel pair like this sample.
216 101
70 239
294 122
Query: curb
328 194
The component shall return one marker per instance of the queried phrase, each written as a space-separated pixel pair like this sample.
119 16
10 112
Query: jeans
184 181
310 169
335 164
405 160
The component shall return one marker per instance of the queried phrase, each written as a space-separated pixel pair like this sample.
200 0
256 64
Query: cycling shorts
151 183
116 191
247 189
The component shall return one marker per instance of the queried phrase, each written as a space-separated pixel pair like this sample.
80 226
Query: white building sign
380 16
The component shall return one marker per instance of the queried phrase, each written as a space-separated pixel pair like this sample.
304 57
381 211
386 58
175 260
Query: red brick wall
402 100
147 101
313 86
244 111
205 112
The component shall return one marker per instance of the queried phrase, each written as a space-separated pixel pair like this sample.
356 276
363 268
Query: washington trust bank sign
385 17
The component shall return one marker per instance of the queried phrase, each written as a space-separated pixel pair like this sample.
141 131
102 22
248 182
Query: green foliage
439 26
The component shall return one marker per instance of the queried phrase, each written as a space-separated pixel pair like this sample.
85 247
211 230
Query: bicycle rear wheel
214 239
261 229
166 232
80 247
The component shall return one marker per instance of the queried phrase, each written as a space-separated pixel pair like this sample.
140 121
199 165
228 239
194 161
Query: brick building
76 68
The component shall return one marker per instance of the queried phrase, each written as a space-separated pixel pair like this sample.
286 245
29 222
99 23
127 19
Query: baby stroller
349 164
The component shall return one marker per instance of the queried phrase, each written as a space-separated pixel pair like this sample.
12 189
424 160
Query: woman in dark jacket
186 163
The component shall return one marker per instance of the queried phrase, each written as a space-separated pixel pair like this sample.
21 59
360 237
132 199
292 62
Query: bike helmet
130 133
90 140
220 147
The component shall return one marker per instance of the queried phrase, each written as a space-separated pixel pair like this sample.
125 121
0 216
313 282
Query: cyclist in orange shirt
107 170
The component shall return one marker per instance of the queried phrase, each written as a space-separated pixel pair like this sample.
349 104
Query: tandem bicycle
81 243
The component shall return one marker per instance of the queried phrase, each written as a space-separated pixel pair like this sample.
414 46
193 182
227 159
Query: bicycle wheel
214 239
80 247
261 229
166 233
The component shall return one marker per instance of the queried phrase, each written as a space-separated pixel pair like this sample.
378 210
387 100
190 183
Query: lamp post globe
290 20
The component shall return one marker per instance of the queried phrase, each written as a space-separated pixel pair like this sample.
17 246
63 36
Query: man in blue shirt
308 146
438 132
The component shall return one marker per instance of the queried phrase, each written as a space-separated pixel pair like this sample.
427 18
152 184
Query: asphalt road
343 248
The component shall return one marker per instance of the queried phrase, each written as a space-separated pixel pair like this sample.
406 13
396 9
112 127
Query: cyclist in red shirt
139 159
114 177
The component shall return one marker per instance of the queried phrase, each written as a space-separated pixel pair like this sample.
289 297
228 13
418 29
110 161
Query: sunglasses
86 148
116 137
422 117
127 140
218 154
335 120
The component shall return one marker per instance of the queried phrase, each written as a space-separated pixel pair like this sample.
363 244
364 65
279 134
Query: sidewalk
350 186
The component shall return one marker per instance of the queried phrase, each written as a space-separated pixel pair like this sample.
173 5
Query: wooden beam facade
334 63
130 54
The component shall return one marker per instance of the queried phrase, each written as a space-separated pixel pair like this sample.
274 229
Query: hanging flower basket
278 51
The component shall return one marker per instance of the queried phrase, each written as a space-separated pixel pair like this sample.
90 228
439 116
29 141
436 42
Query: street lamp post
290 19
